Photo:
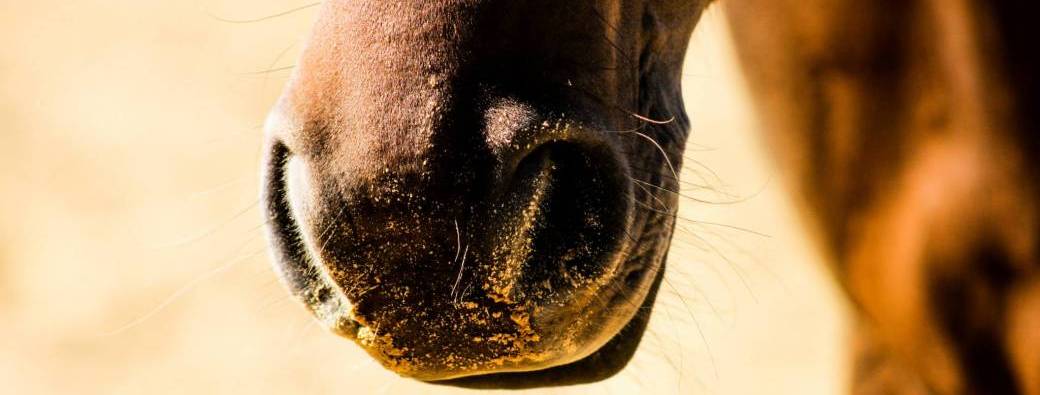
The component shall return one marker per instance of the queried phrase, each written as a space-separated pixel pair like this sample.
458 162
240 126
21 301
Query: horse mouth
538 287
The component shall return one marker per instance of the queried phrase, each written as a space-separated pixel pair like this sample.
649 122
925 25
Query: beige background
131 259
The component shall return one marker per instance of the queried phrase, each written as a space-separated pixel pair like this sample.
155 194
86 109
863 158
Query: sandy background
131 258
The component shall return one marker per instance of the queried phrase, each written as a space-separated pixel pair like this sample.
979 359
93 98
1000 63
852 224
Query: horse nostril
275 199
570 212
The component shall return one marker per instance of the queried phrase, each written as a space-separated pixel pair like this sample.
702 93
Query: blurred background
132 259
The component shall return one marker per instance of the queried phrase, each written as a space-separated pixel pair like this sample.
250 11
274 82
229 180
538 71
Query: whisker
660 149
179 293
269 71
458 241
675 332
459 278
653 121
697 324
733 266
685 196
652 195
264 18
700 222
333 223
222 186
211 231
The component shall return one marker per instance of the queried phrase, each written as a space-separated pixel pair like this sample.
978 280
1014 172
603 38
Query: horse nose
537 203
406 242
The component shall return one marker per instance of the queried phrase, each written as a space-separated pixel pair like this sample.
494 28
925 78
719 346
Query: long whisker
211 231
660 149
458 241
264 18
269 71
685 196
697 324
180 292
653 121
459 278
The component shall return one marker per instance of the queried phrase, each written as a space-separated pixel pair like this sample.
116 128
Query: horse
483 192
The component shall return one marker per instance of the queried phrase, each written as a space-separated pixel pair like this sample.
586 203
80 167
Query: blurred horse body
909 133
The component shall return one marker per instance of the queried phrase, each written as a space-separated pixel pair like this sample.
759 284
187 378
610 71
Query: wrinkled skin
459 185
471 188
